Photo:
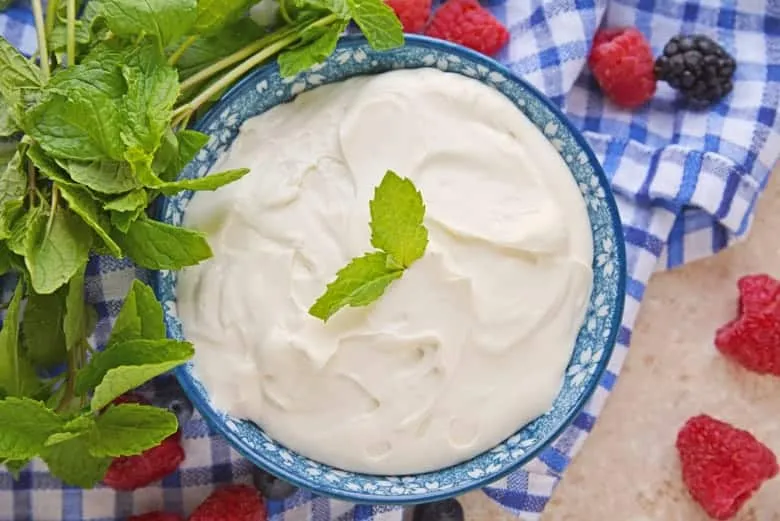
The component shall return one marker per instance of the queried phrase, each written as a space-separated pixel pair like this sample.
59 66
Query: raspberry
467 23
130 398
722 466
413 14
753 340
132 472
622 62
157 516
231 503
756 292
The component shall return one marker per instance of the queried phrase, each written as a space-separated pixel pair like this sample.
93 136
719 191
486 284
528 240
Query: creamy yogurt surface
468 346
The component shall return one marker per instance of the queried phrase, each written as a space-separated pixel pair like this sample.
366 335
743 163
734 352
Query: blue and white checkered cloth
686 183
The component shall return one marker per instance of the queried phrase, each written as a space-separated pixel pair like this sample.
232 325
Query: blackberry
698 67
271 487
445 510
168 395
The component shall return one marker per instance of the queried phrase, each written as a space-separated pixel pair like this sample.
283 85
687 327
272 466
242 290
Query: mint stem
71 41
32 189
283 11
51 15
234 58
55 200
40 29
248 65
233 75
182 49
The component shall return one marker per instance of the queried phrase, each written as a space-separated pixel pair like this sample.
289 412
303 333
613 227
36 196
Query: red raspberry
622 62
413 14
130 398
231 503
722 466
753 340
132 472
756 292
157 516
469 24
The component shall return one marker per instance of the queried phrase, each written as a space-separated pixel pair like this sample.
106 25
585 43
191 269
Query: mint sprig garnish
398 234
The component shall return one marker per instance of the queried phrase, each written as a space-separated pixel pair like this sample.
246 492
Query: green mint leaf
42 328
165 20
104 176
22 229
214 15
300 59
129 429
13 186
13 179
72 463
209 49
53 258
359 283
141 165
397 213
25 425
189 143
18 71
81 202
208 182
10 214
141 316
99 73
125 366
123 220
8 125
78 426
129 202
79 198
47 166
62 437
78 323
166 153
152 89
139 353
80 118
18 80
378 23
159 246
17 375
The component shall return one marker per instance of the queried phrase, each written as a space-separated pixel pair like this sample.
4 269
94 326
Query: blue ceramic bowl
263 89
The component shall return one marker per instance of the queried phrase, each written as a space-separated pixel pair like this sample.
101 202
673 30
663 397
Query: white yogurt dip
468 346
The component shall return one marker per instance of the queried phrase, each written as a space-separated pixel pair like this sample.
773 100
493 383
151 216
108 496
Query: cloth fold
686 183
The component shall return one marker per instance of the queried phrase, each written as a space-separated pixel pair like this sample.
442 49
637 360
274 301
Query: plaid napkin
686 183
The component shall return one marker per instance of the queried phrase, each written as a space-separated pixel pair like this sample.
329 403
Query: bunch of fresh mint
92 130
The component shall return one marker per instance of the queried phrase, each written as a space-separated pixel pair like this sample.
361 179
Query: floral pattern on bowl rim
262 90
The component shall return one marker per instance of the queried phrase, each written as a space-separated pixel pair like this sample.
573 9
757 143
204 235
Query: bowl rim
360 497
